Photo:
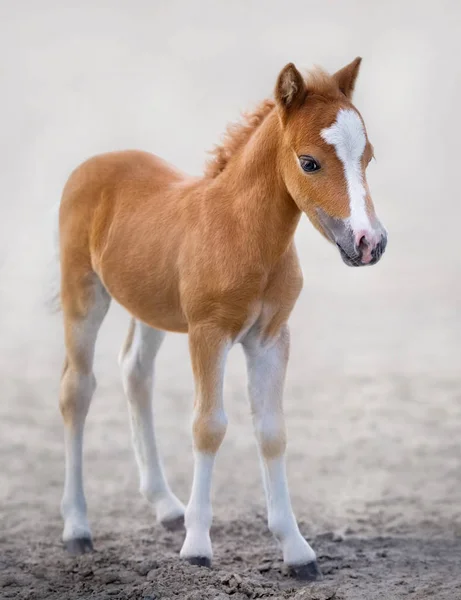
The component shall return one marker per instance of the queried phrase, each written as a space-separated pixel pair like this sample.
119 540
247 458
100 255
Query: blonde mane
236 136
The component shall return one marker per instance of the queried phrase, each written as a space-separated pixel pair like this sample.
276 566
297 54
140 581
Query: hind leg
137 366
85 303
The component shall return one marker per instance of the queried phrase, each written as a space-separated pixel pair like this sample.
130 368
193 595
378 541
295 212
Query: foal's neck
257 196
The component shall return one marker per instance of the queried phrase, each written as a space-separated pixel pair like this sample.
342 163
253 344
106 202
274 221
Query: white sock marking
199 513
280 516
73 504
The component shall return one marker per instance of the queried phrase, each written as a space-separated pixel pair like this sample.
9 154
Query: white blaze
347 135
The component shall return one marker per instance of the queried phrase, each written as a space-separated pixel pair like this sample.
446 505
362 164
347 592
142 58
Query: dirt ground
376 489
141 562
373 391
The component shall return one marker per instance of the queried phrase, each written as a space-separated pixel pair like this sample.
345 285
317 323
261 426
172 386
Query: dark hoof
174 524
79 546
199 561
307 572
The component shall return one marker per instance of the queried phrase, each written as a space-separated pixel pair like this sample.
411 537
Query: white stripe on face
347 135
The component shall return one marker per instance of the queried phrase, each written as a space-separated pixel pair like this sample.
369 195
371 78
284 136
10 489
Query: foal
212 257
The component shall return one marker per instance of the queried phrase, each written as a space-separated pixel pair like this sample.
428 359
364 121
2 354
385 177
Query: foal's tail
53 275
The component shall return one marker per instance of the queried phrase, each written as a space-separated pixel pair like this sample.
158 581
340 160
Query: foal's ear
347 76
290 89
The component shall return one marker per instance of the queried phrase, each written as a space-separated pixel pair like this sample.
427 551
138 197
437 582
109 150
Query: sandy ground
373 393
377 492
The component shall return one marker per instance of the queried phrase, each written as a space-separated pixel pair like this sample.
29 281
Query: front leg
266 362
208 349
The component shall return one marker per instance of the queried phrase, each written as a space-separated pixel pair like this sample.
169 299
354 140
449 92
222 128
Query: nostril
362 244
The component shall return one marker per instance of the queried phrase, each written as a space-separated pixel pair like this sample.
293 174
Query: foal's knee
271 435
76 390
209 430
134 374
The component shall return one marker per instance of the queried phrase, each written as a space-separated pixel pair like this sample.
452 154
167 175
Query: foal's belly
150 295
156 308
138 267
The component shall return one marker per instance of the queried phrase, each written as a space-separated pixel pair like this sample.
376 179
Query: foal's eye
308 164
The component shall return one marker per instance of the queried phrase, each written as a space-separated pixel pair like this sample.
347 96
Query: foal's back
119 213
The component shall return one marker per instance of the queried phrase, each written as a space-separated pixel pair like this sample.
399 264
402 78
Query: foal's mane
236 136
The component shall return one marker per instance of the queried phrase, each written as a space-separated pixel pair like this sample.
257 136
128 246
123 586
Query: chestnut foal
212 257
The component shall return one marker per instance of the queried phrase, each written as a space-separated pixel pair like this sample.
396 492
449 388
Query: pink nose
365 243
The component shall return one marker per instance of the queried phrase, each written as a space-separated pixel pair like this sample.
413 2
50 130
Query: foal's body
121 208
212 257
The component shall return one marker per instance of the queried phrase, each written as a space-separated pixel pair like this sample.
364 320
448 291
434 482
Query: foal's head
324 154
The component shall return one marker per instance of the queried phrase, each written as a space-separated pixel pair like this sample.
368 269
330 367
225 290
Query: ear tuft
290 89
347 76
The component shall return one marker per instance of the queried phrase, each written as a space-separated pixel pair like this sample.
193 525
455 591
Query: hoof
308 572
173 524
199 561
79 546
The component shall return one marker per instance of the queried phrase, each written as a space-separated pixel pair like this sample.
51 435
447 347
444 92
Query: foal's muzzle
359 248
363 254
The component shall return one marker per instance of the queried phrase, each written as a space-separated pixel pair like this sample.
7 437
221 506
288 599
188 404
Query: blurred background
373 387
